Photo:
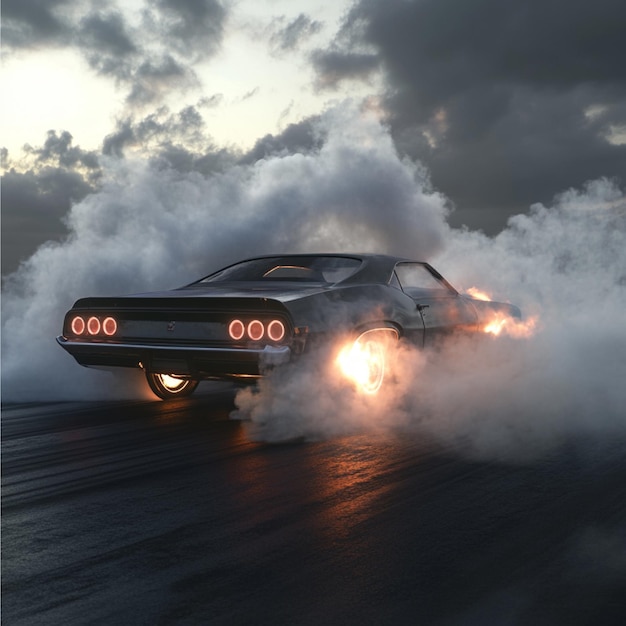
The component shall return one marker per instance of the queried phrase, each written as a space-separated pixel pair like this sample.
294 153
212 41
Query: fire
501 324
478 294
363 364
362 361
505 325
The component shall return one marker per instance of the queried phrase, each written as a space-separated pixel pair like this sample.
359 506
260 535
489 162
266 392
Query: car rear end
202 338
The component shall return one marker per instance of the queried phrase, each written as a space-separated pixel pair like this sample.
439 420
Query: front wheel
169 387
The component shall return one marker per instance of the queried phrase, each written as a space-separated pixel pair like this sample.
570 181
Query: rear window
313 269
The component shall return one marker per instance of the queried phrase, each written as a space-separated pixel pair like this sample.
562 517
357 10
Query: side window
416 276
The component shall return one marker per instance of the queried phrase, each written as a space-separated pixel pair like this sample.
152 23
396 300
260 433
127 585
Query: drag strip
167 513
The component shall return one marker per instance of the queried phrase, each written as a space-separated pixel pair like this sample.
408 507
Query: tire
169 387
364 362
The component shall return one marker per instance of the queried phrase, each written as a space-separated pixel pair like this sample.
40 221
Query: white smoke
153 228
499 396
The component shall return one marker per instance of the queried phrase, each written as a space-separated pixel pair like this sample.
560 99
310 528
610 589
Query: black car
263 312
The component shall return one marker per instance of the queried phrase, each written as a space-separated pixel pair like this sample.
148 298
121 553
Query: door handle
421 307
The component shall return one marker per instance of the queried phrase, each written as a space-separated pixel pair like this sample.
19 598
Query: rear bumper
194 361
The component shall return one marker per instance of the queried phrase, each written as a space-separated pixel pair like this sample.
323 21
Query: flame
363 363
512 327
501 324
478 294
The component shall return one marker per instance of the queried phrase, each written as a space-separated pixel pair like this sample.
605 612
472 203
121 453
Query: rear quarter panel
354 307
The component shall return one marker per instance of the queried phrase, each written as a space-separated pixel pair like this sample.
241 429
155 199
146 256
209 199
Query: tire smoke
153 228
502 397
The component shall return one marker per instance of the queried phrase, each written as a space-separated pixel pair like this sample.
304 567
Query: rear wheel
167 387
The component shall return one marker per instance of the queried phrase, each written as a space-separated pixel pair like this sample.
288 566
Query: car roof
375 268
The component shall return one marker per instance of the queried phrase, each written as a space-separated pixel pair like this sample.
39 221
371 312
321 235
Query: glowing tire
169 387
375 375
364 362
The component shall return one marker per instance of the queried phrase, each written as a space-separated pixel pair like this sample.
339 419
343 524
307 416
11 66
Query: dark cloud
149 59
107 44
153 79
32 23
179 141
192 27
36 198
34 205
39 189
59 152
333 66
506 102
174 35
150 134
286 38
107 34
303 137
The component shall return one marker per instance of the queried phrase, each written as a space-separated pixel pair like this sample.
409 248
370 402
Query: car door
441 307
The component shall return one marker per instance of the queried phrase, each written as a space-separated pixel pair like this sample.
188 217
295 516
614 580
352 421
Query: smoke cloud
151 227
500 396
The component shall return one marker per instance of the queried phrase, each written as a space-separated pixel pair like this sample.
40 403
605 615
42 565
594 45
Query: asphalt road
165 513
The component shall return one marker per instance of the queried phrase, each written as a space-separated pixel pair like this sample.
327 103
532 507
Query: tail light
109 326
93 326
275 330
256 329
236 330
78 325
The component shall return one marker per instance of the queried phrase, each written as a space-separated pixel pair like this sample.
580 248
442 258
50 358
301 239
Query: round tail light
109 326
256 330
275 330
236 330
78 325
93 326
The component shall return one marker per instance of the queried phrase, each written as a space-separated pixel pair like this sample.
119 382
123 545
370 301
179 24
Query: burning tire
169 387
364 360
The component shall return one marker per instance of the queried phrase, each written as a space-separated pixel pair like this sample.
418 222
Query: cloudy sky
146 143
504 103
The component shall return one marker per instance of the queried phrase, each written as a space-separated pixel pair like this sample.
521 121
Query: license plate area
166 365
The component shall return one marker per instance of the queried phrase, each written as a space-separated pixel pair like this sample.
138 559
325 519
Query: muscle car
241 321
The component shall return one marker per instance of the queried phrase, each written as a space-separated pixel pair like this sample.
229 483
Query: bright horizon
257 92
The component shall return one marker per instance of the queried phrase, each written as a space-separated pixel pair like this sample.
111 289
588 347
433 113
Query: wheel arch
383 326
